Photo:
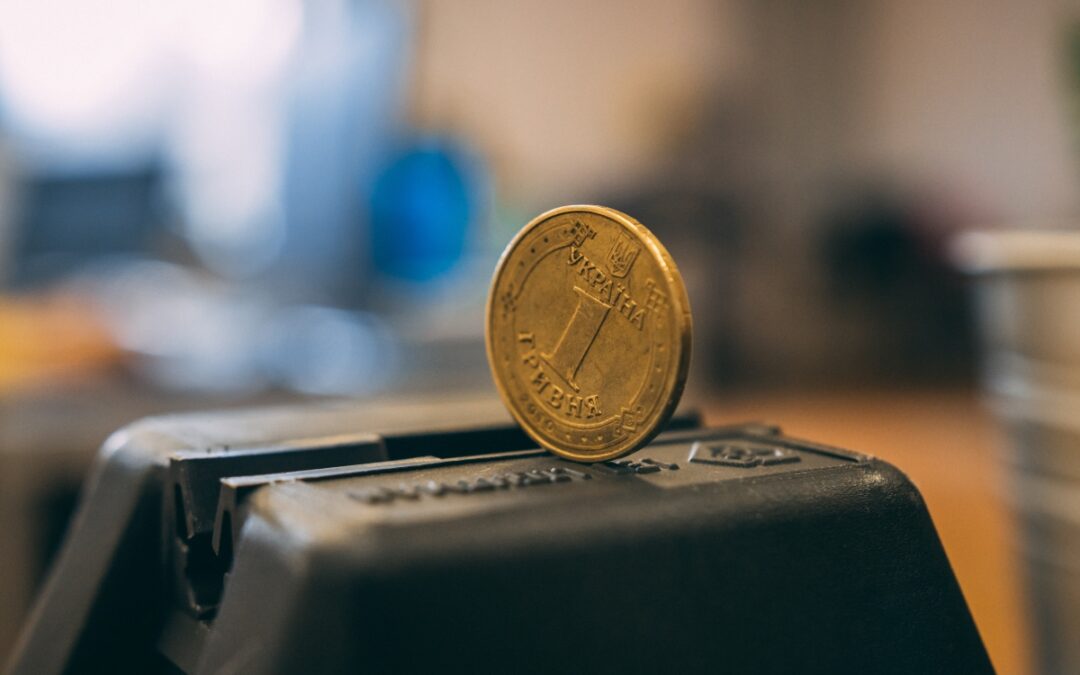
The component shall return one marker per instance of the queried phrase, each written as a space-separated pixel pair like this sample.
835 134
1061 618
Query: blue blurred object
422 207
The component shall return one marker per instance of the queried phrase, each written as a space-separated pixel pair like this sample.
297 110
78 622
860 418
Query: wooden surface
946 442
49 338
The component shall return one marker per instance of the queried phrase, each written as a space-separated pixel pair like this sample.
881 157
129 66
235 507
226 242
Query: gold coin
588 332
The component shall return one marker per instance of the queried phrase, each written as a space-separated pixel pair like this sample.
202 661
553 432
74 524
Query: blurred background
209 204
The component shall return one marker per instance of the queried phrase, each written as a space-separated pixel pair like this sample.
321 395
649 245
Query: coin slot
205 573
179 513
458 444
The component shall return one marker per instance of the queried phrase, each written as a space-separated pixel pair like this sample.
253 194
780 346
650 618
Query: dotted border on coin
681 311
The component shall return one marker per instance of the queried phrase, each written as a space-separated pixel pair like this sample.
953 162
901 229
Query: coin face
588 332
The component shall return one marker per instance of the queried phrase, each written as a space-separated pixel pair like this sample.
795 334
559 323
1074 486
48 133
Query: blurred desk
946 442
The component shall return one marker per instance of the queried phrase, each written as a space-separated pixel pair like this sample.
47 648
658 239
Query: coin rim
684 326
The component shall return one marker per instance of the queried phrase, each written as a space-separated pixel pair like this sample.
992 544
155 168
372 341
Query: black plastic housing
337 540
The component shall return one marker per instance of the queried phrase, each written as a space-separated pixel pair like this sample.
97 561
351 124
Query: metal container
1028 296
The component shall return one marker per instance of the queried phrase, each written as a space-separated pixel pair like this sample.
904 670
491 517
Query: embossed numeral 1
579 335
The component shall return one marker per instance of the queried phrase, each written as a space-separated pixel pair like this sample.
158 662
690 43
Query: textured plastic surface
710 550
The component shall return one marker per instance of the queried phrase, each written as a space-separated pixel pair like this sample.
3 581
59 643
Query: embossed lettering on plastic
741 454
385 494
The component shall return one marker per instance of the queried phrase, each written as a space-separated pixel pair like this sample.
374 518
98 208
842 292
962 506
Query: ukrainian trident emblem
622 255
